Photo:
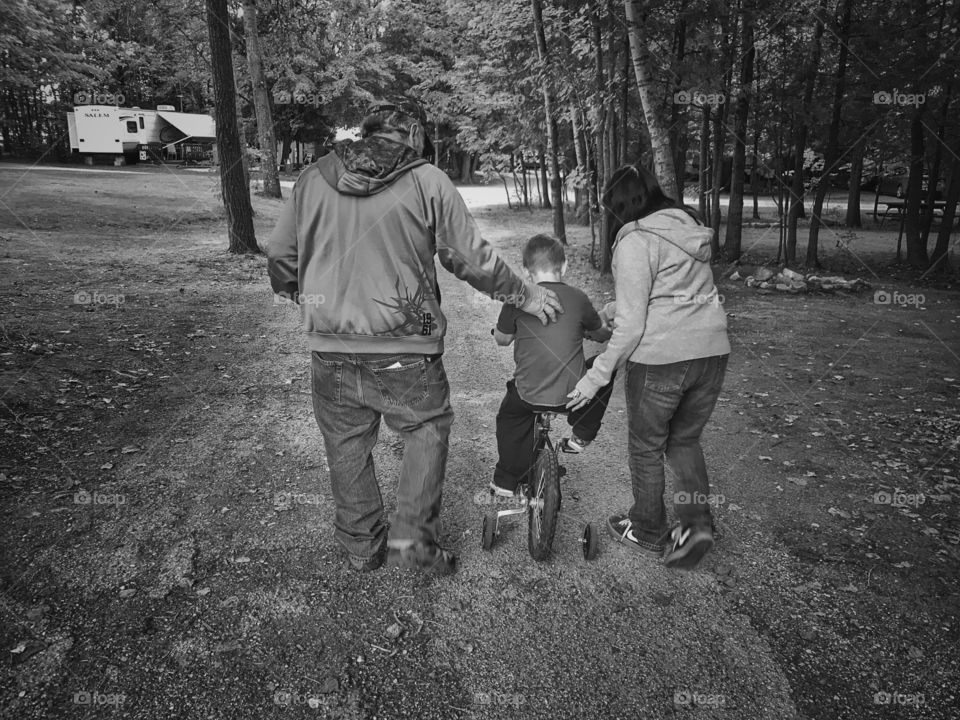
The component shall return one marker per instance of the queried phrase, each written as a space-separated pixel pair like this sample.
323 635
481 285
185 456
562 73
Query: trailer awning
193 125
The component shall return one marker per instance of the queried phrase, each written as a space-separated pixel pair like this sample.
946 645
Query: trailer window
141 123
131 126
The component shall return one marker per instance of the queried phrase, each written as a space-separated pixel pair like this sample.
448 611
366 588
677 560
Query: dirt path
197 576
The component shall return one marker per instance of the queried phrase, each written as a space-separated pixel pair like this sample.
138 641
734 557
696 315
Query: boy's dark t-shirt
549 357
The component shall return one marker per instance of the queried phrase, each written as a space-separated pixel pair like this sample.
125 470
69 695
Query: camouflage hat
411 109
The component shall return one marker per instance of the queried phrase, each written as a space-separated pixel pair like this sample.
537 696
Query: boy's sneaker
690 544
425 557
621 528
573 445
501 491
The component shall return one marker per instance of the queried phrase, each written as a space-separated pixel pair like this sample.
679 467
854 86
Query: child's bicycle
539 497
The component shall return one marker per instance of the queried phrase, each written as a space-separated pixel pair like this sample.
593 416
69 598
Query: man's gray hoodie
667 307
356 242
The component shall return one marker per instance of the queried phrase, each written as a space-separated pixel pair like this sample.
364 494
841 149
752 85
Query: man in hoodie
355 245
671 332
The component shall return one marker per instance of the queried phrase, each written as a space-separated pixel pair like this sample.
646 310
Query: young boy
549 362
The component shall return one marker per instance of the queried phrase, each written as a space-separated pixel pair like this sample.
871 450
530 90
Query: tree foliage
475 66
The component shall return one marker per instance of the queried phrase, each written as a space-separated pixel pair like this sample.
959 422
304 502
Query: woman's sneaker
426 557
690 544
621 529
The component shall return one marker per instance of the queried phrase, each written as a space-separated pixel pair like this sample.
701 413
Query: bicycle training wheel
544 504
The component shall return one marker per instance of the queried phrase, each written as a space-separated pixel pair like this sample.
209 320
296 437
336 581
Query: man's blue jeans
410 392
668 407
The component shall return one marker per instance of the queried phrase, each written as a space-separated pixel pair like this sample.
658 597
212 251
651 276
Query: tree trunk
656 126
719 123
553 131
808 77
624 107
755 170
731 242
856 180
506 189
542 181
939 261
704 162
916 249
934 173
580 153
236 191
261 102
604 171
466 169
719 126
833 138
680 138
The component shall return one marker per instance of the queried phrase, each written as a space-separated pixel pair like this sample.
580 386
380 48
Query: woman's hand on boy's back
601 335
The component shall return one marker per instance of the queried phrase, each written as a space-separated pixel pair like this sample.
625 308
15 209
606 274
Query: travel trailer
132 134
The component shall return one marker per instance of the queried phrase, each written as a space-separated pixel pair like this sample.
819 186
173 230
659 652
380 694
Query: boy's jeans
350 395
515 430
668 407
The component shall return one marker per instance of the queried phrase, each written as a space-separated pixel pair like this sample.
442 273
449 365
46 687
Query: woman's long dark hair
633 193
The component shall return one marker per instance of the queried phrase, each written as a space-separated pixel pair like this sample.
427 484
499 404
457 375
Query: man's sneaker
426 557
621 528
690 544
573 445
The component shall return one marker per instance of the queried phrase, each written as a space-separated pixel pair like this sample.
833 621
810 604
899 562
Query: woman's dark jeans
668 407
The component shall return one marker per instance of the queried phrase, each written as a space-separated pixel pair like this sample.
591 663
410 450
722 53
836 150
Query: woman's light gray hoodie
667 307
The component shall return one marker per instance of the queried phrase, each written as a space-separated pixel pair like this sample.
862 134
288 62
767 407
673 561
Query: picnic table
900 206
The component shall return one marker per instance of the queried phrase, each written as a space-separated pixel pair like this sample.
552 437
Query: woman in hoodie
672 333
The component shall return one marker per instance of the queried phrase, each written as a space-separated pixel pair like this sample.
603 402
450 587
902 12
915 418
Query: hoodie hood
676 227
369 166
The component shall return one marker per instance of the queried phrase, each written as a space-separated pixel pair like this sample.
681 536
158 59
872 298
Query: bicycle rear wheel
544 504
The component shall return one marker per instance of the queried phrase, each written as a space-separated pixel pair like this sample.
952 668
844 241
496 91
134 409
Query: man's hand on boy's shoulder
541 302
